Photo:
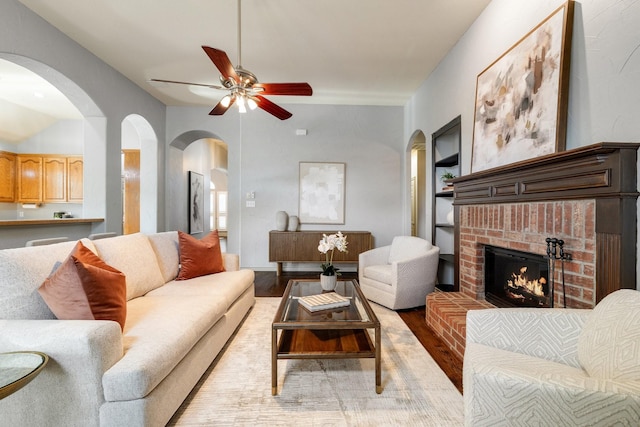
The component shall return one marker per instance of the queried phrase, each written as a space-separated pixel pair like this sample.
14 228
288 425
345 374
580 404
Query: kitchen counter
52 221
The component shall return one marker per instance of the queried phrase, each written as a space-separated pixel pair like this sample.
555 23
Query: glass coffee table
339 333
18 368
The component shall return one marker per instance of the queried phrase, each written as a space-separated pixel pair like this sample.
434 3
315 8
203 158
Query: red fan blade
301 89
220 109
222 62
272 108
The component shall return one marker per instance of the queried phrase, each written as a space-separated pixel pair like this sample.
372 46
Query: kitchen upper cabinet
54 184
7 177
75 171
44 179
29 175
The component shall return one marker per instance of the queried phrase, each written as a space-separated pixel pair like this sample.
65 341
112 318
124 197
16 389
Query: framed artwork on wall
522 98
196 203
321 195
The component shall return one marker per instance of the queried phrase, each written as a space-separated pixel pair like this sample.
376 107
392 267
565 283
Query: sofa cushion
165 245
83 287
20 278
407 247
226 286
133 255
199 257
609 345
158 333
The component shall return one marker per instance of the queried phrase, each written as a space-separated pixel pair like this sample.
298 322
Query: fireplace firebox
516 279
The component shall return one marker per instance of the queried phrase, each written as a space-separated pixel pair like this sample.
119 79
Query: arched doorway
205 153
417 185
139 176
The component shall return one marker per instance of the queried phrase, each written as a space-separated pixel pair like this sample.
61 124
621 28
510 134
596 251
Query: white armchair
399 275
560 367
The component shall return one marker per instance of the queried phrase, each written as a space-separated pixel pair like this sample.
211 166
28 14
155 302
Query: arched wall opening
94 136
417 153
205 153
138 135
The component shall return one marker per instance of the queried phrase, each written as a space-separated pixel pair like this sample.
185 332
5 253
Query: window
217 209
222 210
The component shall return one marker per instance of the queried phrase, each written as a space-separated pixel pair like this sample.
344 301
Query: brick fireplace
524 227
586 197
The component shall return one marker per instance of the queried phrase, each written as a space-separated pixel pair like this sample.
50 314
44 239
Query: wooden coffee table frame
305 335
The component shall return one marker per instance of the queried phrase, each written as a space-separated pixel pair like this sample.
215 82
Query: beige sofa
99 374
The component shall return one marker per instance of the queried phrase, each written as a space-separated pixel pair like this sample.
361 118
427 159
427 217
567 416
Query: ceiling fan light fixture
226 101
240 103
242 85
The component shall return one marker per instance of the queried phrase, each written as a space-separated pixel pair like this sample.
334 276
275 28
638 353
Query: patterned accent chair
555 367
400 275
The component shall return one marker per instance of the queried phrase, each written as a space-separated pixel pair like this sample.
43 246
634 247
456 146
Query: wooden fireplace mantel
605 172
606 169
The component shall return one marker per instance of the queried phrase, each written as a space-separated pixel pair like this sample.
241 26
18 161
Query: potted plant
445 176
327 245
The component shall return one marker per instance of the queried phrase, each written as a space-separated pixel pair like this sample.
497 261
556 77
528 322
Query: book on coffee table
324 301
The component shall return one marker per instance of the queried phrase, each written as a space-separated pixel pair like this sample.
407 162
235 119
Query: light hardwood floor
268 284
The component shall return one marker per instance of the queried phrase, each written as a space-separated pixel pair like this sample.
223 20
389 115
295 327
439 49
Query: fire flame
521 281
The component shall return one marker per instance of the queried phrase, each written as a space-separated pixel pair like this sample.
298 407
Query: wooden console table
302 246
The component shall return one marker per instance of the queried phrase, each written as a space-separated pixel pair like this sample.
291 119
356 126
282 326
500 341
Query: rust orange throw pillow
84 287
199 257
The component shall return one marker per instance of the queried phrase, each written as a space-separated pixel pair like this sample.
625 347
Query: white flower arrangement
327 245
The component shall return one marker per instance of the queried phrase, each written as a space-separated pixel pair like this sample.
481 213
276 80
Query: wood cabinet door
55 179
29 179
75 177
7 177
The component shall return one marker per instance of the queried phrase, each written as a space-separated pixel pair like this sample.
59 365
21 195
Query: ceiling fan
242 85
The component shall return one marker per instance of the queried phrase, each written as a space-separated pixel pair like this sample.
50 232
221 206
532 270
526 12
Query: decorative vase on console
293 223
450 217
327 245
281 220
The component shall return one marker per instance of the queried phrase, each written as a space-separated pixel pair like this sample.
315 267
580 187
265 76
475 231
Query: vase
293 223
450 218
281 220
328 283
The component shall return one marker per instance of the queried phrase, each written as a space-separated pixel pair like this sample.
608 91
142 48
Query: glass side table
18 368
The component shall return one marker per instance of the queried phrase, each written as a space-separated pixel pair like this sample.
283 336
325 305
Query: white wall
604 93
264 156
62 137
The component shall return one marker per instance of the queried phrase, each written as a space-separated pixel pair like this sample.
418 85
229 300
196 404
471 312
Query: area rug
236 390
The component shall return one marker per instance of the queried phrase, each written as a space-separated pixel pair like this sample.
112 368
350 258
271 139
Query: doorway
130 191
418 185
139 175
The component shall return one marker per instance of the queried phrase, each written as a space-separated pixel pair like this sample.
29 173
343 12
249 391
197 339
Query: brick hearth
447 315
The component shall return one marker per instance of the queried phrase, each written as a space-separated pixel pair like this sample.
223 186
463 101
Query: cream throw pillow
134 256
609 346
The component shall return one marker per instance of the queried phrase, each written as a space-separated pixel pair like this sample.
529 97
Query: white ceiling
360 52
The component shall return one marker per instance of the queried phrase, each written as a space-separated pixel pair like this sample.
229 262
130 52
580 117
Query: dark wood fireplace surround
586 196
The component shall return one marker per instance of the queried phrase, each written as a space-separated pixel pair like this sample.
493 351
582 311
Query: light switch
251 203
